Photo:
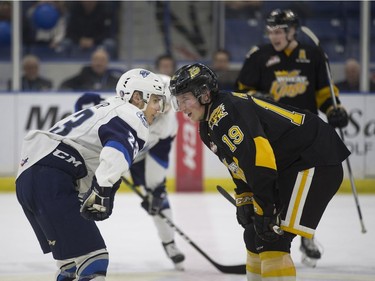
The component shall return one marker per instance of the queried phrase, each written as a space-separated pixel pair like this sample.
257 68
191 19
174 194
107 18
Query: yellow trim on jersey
242 87
294 117
264 154
296 205
324 94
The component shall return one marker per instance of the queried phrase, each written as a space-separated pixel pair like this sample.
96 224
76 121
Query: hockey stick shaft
315 39
231 269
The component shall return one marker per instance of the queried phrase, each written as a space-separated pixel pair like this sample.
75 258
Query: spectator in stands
90 26
243 9
165 64
352 75
221 65
5 11
5 29
31 79
97 76
41 39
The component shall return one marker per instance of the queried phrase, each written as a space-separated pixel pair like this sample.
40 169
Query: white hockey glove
154 200
97 202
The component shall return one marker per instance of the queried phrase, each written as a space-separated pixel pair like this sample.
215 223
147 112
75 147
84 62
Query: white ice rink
209 220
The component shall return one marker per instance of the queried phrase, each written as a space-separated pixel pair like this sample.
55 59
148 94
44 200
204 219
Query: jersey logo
235 170
51 242
302 57
272 61
67 157
288 84
24 161
142 117
216 115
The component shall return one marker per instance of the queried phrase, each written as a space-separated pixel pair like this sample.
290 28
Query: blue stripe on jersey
120 147
123 136
160 152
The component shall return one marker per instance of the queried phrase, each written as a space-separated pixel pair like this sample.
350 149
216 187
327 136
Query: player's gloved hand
154 200
266 221
96 202
337 117
245 208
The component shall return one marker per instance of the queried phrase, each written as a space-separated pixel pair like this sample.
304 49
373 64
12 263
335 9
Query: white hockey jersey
108 137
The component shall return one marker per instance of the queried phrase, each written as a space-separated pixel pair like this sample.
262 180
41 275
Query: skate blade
179 266
310 262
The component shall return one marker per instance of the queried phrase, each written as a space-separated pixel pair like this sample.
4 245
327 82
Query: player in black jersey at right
286 164
295 74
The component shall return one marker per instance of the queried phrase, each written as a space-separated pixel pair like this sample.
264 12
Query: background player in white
149 170
69 174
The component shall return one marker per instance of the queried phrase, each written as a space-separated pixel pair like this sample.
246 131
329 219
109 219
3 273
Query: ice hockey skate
174 254
310 252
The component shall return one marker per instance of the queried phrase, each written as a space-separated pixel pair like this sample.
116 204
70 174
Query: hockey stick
231 269
227 196
315 39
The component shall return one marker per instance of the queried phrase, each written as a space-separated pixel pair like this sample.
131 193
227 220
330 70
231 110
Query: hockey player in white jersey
68 175
149 170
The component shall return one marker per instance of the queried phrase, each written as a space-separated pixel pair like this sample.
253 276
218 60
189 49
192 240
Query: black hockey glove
245 208
96 202
154 200
266 221
337 117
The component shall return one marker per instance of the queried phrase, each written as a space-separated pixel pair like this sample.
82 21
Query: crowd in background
89 32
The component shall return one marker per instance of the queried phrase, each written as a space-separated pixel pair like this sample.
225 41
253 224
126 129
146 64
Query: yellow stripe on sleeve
264 154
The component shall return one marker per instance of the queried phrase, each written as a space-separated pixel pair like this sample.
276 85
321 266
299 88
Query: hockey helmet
144 82
282 19
193 78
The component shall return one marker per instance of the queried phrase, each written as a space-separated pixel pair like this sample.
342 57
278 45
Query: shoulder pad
252 51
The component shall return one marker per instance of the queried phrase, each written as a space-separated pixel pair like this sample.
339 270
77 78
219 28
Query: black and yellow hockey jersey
298 79
257 139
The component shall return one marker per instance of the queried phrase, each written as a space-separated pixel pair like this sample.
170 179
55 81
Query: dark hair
165 57
224 51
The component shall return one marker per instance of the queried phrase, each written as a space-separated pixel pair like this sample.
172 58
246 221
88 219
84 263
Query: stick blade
232 269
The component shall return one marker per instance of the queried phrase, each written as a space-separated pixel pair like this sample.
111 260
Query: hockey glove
337 117
97 202
245 208
266 221
154 200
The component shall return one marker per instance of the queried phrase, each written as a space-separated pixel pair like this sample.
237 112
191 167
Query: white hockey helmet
143 81
166 79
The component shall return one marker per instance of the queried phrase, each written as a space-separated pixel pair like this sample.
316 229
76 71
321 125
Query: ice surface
209 220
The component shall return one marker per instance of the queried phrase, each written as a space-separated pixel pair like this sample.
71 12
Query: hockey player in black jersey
286 164
295 74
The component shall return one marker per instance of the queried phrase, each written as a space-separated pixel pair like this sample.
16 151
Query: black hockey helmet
193 78
282 19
